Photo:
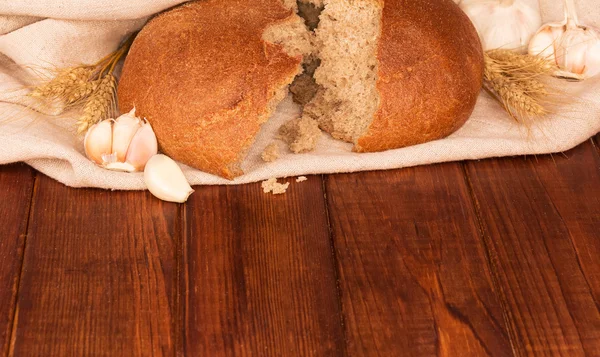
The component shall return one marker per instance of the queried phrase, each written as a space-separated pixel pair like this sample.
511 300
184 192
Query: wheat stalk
515 62
82 92
92 88
65 81
516 81
100 105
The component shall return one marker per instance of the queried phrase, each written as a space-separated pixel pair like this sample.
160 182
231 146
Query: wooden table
497 257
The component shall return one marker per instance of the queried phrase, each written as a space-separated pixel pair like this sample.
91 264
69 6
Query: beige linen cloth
38 34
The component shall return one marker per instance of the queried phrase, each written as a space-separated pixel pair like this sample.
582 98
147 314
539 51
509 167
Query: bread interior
310 12
295 38
338 41
346 42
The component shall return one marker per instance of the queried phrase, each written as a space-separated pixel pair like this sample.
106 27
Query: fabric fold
36 36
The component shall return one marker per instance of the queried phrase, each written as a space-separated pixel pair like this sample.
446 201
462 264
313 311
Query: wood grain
259 277
99 274
16 187
413 270
541 218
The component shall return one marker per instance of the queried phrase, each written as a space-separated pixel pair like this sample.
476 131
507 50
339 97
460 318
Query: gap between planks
15 315
407 298
335 263
179 309
491 259
524 336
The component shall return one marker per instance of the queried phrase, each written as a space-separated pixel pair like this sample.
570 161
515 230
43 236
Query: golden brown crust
204 78
429 76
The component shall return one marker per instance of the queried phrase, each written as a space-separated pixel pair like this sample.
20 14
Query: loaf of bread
207 74
392 73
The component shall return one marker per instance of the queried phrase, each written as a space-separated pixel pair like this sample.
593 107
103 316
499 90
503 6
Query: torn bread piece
235 60
391 74
302 134
301 179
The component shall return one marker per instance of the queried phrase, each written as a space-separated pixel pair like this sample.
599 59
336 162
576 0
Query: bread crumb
271 153
301 134
301 179
271 185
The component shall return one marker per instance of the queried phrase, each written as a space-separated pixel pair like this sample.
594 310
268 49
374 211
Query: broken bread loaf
394 73
391 73
208 74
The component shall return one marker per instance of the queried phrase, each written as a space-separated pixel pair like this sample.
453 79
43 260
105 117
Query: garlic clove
576 48
543 42
143 146
124 129
98 141
571 52
165 180
593 60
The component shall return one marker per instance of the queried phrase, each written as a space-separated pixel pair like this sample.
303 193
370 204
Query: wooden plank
99 274
413 270
258 273
16 187
541 218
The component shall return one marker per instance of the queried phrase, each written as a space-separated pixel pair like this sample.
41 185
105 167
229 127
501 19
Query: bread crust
204 78
430 72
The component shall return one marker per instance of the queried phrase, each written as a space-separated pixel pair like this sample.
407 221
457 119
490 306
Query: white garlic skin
574 48
124 129
98 141
165 180
125 144
503 24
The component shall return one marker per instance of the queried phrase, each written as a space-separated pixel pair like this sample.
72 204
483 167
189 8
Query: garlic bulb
575 48
165 180
503 24
125 144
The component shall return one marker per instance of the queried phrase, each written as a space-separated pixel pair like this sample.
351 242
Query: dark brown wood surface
259 274
99 275
413 270
541 221
487 258
16 188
